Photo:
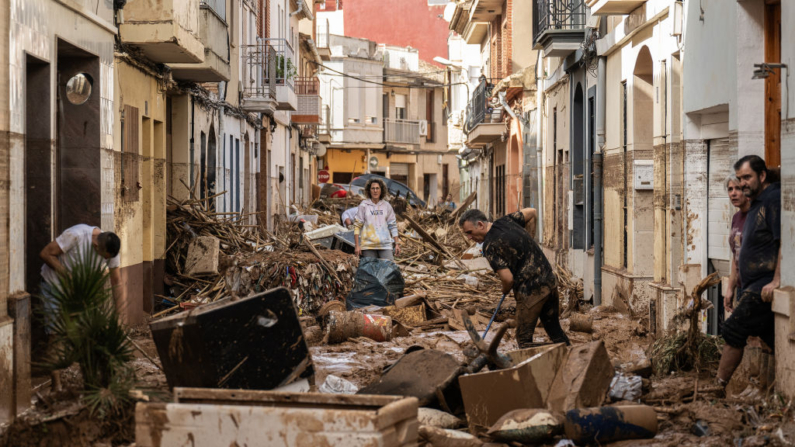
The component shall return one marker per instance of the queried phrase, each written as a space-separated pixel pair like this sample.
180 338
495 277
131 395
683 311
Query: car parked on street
394 187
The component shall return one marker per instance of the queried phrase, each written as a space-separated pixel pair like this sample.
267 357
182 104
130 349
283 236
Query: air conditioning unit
423 128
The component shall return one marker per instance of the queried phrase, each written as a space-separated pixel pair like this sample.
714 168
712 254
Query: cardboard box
583 379
489 395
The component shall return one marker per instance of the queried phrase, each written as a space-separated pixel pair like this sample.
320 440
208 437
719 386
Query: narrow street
442 223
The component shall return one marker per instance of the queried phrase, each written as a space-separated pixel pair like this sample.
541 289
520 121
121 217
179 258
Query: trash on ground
527 426
626 387
337 385
378 282
610 424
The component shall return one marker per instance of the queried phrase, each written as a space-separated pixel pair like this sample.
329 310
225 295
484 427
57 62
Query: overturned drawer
213 417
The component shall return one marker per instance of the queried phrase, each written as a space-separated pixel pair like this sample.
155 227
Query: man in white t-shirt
60 254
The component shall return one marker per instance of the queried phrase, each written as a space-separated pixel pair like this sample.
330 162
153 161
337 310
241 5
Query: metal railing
307 86
322 33
267 65
401 131
477 106
219 6
558 15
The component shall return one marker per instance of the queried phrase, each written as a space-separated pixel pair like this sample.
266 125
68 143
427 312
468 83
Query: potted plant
284 69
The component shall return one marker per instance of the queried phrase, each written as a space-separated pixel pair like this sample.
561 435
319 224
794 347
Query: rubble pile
213 255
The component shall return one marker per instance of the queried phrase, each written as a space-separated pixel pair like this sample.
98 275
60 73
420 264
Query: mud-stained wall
556 168
139 170
785 324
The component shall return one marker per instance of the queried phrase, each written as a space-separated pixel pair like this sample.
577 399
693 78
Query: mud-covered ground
752 418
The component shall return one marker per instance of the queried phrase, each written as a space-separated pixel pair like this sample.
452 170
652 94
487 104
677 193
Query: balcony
322 39
268 76
213 34
166 31
613 7
401 131
559 26
309 104
483 124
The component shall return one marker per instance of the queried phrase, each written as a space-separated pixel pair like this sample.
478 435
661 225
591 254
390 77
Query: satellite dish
320 150
449 10
373 162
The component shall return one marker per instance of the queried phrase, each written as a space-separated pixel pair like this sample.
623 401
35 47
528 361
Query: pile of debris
213 255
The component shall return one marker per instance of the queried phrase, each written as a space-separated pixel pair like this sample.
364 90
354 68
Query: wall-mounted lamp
273 126
764 70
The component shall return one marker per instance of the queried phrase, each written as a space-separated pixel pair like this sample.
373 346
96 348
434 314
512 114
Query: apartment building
499 114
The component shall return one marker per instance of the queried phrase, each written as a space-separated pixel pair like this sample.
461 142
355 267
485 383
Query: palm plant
86 330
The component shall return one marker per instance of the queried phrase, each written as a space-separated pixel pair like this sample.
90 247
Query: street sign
323 176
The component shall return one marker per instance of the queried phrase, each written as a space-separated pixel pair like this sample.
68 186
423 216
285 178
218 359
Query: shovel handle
494 316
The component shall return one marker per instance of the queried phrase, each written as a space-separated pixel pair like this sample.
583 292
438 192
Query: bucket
345 325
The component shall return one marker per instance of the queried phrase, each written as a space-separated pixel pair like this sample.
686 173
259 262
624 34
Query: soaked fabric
736 238
544 306
508 245
376 225
760 240
378 254
751 317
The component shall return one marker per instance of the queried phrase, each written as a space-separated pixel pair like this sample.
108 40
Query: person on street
759 266
742 203
522 267
449 202
348 217
375 224
59 256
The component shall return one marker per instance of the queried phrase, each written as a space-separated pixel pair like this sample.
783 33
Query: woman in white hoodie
375 225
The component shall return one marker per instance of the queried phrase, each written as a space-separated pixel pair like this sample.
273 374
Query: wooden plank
460 210
421 231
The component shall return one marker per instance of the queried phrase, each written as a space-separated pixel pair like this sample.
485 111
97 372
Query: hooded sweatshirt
376 225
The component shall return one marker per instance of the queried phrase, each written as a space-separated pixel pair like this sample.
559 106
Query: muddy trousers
529 309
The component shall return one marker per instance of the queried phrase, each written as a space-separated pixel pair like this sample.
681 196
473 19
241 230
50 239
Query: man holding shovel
522 267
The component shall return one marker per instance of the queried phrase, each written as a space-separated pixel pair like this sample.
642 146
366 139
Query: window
429 100
130 129
400 107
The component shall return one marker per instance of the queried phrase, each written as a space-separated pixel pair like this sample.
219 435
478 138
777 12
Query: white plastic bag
337 385
626 387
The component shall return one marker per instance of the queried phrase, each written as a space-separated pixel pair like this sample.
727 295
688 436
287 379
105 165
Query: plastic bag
626 387
378 282
337 385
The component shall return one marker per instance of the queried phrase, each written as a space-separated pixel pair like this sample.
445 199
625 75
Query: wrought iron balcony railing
558 15
477 106
267 65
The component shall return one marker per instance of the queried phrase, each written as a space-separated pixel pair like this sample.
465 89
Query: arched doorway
636 196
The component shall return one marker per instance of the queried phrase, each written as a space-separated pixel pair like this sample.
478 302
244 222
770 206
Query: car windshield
360 181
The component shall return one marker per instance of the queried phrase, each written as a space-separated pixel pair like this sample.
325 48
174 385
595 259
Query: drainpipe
192 148
601 106
222 86
300 8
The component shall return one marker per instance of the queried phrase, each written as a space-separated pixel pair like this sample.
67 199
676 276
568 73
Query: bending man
521 265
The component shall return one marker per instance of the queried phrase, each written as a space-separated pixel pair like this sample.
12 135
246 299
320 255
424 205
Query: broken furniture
212 417
425 374
489 395
252 343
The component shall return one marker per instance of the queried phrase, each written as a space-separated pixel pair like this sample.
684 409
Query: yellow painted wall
141 224
338 160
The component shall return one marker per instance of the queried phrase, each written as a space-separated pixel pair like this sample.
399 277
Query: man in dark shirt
759 265
521 266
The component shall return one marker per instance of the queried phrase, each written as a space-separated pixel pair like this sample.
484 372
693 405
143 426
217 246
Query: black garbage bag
378 282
